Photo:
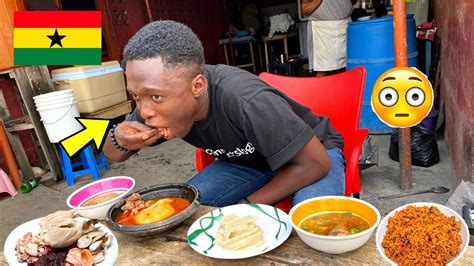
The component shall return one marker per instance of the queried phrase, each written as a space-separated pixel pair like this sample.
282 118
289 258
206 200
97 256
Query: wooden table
241 40
172 247
282 36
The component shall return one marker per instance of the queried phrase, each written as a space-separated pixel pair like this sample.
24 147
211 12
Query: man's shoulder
229 82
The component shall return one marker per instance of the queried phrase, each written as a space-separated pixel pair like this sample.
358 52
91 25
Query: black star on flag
56 39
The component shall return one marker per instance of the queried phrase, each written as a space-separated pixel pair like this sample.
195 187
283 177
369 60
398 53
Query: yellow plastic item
160 210
95 87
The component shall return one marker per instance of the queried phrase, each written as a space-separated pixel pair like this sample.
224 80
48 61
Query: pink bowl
100 187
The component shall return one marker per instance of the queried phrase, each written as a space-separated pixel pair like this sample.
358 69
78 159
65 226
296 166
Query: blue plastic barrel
370 44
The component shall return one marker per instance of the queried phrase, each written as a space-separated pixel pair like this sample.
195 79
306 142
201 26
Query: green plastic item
28 186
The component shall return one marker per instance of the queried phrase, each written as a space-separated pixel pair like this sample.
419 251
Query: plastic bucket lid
53 94
54 97
55 106
56 101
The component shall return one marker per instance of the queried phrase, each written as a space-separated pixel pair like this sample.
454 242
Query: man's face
163 95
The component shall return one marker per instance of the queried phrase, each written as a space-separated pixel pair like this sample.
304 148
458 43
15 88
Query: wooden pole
227 17
9 158
401 60
148 11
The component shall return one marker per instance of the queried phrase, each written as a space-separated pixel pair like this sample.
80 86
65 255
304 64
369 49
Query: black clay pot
181 190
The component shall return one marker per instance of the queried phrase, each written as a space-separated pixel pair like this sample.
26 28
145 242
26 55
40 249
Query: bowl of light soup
334 224
95 199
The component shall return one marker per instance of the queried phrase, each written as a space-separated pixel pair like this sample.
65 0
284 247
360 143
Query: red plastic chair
338 97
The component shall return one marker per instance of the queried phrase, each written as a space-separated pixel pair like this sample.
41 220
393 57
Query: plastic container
370 44
430 120
58 115
95 87
28 186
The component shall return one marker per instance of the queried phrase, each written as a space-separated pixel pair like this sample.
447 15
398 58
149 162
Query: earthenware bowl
181 190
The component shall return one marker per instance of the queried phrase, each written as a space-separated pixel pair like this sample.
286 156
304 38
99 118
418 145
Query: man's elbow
321 167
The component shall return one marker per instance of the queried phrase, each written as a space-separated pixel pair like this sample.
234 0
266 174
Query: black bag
424 148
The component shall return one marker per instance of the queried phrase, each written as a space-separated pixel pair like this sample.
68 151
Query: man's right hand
134 135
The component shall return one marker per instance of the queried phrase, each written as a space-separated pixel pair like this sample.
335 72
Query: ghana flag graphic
57 37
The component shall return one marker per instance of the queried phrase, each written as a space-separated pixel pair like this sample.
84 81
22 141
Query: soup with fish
334 224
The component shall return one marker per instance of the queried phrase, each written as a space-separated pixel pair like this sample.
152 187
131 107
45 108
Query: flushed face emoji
402 97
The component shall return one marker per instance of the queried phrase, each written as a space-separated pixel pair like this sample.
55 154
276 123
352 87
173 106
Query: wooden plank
20 127
32 81
6 35
111 112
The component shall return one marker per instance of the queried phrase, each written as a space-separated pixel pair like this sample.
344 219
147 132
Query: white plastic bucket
57 101
52 95
58 115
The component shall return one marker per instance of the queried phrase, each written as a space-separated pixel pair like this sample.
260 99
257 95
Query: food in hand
130 131
239 233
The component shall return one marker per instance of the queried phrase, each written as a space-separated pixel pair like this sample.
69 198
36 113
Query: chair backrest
338 96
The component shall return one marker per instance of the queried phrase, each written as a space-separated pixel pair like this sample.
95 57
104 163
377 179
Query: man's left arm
309 165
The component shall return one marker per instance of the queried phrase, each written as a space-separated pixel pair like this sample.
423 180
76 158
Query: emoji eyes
388 96
415 96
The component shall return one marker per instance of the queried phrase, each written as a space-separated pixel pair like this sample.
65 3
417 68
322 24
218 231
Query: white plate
33 226
464 231
274 222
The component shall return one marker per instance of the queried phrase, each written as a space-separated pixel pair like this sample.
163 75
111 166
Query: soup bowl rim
126 192
177 218
367 231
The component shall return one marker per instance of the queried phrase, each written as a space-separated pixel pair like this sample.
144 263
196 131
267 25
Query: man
326 30
269 147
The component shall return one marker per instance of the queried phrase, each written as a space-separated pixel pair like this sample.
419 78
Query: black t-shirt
252 124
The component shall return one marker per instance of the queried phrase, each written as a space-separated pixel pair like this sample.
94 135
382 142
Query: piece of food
237 233
334 224
77 256
130 131
339 230
160 210
60 230
30 248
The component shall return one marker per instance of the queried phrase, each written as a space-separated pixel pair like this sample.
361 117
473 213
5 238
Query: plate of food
422 233
239 231
61 237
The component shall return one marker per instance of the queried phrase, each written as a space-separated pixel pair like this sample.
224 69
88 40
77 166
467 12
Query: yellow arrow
94 130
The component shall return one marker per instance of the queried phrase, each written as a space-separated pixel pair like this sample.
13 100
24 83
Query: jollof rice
422 235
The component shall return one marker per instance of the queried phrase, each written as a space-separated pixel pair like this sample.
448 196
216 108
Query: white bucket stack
58 111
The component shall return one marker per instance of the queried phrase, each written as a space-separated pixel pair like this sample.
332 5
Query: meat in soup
334 224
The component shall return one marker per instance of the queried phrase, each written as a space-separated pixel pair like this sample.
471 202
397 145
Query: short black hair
175 43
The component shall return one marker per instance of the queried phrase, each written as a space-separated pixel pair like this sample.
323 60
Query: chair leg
91 163
67 167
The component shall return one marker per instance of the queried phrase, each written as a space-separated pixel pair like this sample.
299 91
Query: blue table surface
245 39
